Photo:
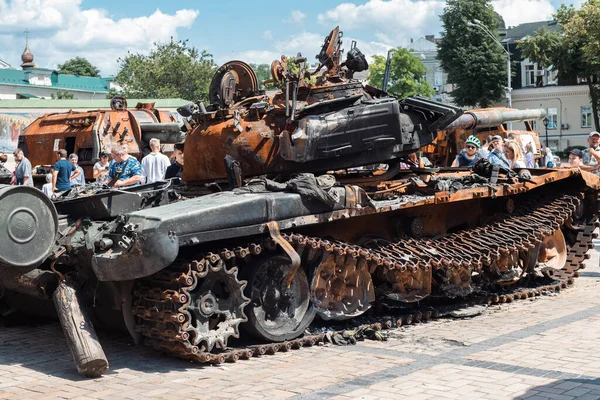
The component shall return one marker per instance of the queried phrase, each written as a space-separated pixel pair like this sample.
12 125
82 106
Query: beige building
569 113
425 49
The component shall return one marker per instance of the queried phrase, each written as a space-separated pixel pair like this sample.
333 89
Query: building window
551 77
438 78
586 116
552 118
529 75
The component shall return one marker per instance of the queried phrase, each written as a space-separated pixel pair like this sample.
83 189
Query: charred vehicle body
266 258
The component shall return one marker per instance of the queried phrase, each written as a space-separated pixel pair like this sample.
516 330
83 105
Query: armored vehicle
5 174
268 257
88 133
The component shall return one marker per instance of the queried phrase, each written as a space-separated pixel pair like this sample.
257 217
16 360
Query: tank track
160 301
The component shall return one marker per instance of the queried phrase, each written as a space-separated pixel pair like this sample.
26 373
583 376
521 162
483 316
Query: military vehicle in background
483 123
88 133
267 257
5 174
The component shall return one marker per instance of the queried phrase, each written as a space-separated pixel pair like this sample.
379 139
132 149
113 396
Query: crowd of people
122 171
509 153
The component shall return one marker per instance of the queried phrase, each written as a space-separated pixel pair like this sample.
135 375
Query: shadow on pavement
576 389
42 347
589 274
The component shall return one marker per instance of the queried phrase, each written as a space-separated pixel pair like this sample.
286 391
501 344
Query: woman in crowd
529 156
549 159
514 154
101 169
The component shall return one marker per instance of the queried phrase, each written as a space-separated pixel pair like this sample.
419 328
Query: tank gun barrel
494 117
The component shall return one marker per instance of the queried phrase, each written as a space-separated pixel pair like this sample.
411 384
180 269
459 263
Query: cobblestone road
543 348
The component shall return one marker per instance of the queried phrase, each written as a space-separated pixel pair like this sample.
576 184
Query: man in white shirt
47 187
155 164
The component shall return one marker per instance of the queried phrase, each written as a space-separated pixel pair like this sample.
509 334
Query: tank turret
319 120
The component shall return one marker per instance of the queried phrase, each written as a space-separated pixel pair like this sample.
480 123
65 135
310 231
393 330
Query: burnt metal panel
109 203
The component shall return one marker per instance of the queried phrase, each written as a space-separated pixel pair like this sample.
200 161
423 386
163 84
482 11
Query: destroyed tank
199 277
89 133
483 123
5 174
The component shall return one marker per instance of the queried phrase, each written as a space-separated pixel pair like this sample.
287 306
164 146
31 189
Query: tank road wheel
277 312
341 290
553 253
216 307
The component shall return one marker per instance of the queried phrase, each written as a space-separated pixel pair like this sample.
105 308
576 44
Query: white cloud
35 14
516 12
268 35
67 31
250 56
397 20
297 17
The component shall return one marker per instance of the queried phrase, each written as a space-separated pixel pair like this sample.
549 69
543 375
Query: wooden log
79 332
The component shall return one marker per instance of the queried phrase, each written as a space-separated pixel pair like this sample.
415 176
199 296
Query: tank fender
136 256
592 181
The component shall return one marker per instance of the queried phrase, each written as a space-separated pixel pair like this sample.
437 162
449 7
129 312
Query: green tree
62 95
407 74
78 66
171 70
573 53
112 92
263 73
475 63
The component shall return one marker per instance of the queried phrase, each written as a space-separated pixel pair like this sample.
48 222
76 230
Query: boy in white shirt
47 188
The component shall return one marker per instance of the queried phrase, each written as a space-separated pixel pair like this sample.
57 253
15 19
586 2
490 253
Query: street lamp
479 24
546 121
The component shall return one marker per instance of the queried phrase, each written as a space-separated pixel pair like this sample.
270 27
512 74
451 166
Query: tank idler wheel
276 312
341 289
216 307
552 255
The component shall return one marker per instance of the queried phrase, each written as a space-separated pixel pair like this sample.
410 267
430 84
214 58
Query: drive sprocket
216 306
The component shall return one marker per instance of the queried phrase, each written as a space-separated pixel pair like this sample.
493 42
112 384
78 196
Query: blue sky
254 31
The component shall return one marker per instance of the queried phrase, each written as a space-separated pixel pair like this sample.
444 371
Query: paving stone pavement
541 348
